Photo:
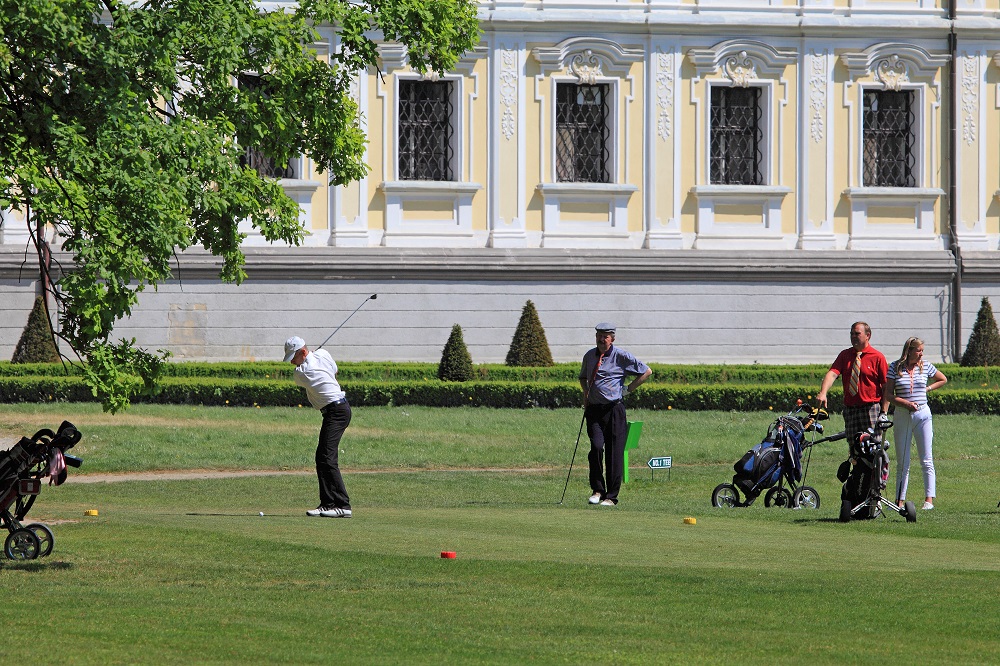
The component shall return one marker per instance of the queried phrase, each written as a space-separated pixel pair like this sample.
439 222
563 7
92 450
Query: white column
505 181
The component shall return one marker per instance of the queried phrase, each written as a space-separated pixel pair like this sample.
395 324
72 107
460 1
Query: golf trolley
776 465
865 475
22 469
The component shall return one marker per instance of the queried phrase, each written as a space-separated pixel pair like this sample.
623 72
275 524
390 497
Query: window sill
893 195
740 192
403 187
295 186
586 189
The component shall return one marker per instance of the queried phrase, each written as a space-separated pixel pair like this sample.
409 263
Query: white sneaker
336 512
607 502
927 506
595 498
318 511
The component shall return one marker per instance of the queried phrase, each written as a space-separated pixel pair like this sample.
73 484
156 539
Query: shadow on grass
246 514
35 566
509 503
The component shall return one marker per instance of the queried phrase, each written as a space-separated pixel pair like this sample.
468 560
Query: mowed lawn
188 571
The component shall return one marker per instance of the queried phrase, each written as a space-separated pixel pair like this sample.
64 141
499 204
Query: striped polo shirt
911 386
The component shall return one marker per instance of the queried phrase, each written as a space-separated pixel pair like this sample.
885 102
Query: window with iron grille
253 157
889 139
737 136
425 130
583 138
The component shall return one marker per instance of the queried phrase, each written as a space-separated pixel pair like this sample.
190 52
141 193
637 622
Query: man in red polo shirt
862 369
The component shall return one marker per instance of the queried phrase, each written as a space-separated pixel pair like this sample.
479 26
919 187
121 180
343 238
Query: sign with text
660 463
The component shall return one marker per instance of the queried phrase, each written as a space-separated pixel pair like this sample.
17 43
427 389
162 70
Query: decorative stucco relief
508 92
970 97
664 93
891 73
740 69
586 67
817 97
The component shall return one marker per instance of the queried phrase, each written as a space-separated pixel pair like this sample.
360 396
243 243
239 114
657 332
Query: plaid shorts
859 419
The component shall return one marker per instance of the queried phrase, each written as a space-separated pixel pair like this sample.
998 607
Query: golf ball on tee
262 513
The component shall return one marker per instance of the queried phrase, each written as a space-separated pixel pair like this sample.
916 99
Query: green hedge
800 375
249 393
378 371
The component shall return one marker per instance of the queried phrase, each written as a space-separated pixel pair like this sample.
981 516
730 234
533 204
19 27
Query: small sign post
665 462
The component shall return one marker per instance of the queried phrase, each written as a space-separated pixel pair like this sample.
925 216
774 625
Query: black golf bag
22 469
868 475
865 475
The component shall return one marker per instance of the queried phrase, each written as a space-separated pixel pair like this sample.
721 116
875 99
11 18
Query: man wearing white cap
602 377
316 372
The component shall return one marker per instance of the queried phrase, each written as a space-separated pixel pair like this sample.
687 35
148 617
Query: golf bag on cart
775 465
865 475
22 469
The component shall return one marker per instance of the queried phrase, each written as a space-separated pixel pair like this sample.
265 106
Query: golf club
573 459
370 298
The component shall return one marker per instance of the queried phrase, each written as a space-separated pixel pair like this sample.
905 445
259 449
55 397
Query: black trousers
332 492
607 428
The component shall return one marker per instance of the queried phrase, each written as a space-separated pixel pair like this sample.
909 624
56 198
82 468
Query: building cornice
791 22
571 265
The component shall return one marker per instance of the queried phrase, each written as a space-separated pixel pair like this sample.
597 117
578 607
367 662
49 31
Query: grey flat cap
605 326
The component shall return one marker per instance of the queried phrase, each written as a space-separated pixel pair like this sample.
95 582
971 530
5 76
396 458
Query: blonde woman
908 382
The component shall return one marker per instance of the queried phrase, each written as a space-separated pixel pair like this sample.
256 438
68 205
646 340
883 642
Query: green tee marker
631 442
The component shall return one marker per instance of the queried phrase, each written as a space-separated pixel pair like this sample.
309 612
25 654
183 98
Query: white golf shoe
595 498
335 512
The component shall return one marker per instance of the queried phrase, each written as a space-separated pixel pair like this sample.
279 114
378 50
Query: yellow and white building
730 180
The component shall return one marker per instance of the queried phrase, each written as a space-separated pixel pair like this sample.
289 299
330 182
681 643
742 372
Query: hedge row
809 375
235 392
806 375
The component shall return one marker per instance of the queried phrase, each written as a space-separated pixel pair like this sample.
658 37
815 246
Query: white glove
882 419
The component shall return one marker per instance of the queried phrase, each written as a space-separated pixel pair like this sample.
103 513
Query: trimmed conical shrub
36 344
984 343
456 362
529 348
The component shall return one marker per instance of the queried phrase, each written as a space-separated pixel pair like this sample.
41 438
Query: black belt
605 404
334 404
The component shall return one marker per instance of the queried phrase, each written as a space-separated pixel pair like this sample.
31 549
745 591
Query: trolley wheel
778 497
806 497
845 511
909 511
46 540
726 496
21 544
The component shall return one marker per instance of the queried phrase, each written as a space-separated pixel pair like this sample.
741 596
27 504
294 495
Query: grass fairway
188 571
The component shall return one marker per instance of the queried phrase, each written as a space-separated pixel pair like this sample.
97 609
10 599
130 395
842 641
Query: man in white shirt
317 373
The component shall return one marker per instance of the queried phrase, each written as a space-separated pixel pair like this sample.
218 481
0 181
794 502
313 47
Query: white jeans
909 426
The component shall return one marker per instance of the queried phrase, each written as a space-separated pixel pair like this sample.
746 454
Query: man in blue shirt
602 377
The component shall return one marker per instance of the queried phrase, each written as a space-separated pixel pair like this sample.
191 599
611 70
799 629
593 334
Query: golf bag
779 454
22 469
775 465
868 475
865 476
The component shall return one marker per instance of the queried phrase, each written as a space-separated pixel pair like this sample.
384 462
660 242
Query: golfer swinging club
316 371
602 378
